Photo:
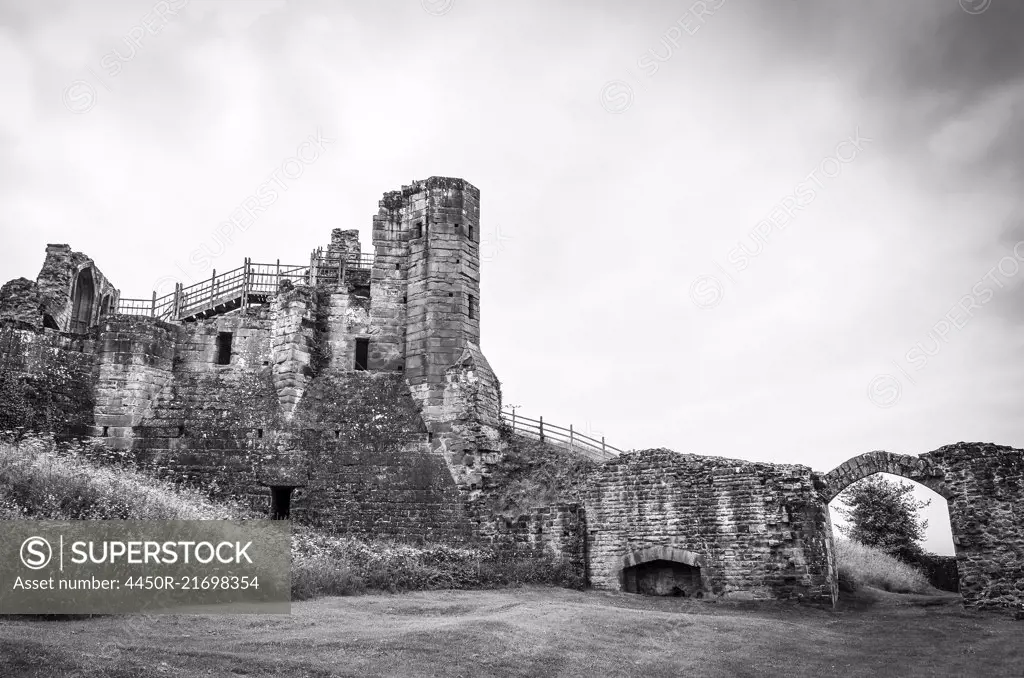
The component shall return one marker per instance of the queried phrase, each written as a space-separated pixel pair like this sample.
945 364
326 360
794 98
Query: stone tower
442 217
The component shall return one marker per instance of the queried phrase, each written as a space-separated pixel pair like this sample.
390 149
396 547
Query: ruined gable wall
761 528
56 282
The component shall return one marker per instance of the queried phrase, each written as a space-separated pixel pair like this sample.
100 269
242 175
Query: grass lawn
530 632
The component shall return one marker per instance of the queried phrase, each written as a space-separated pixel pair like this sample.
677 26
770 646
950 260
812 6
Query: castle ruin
351 392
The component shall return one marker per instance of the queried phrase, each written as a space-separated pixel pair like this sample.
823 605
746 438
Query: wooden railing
250 283
568 438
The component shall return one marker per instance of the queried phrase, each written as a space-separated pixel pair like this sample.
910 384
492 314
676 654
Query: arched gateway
917 469
983 485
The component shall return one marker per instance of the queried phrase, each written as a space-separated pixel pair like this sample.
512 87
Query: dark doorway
362 353
224 348
82 302
663 578
280 502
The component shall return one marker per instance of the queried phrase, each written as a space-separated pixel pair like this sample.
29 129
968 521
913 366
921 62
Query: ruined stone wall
759 529
389 284
57 283
371 471
293 336
352 444
47 381
209 422
134 357
558 531
21 304
983 485
986 507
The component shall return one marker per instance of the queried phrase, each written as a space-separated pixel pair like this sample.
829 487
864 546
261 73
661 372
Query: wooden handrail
242 284
558 435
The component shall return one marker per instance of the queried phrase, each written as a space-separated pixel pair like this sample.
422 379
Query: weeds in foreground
40 480
43 481
333 565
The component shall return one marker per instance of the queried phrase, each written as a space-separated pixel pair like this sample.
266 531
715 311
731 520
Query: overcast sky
777 231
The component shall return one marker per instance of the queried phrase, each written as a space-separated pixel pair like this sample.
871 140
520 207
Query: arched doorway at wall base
663 571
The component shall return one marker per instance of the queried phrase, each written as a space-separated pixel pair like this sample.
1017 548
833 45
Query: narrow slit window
417 230
362 353
224 348
469 230
472 307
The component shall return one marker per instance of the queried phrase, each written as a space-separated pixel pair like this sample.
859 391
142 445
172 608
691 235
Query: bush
941 571
884 514
394 567
869 566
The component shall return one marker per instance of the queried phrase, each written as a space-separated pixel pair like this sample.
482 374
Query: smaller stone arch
83 298
663 570
105 306
918 469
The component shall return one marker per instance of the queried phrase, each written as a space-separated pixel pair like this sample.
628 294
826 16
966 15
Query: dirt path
529 632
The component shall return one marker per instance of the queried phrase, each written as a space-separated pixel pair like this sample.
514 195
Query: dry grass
864 565
333 565
39 480
527 632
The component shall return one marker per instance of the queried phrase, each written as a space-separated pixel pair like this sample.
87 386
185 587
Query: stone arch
83 298
922 470
917 469
679 569
105 306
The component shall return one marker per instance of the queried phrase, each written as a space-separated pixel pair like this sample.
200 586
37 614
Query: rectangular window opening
181 431
417 230
259 433
470 231
472 307
362 353
106 431
223 348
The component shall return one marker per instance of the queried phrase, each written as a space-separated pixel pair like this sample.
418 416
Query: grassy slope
529 632
39 482
868 566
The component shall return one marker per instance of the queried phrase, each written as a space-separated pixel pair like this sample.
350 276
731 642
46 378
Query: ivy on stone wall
373 410
44 387
239 402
